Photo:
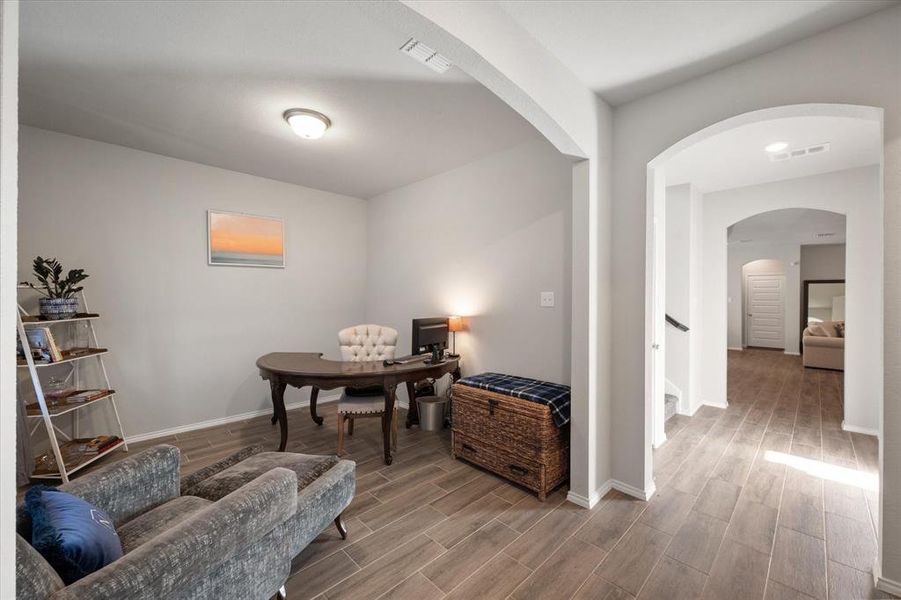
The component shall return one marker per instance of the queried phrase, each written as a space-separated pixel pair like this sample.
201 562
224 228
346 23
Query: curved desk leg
278 406
390 394
413 410
314 397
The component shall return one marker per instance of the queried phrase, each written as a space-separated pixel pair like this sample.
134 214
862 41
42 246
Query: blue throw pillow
73 536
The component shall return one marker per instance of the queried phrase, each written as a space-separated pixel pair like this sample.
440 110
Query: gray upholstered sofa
227 531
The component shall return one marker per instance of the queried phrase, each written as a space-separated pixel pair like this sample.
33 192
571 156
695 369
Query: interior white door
766 311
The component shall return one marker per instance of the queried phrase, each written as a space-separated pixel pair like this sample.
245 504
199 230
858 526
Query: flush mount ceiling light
308 124
776 147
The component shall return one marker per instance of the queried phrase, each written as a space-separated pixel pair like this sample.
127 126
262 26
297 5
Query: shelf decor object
59 299
68 396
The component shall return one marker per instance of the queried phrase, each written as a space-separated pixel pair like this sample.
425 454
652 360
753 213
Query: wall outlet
546 300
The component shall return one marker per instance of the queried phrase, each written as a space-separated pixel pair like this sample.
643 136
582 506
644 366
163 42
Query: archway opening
771 258
722 180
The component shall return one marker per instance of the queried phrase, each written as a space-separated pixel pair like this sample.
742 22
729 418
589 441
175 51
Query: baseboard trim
689 413
735 348
590 501
659 442
885 585
792 353
611 484
152 435
856 429
717 404
888 586
633 491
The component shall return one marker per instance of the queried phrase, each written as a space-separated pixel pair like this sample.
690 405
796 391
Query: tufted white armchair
362 343
367 342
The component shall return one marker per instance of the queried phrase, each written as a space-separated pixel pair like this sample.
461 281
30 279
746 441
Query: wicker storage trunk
515 438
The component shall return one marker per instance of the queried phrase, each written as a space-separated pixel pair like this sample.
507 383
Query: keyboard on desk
406 360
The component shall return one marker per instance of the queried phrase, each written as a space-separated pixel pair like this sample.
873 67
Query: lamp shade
455 323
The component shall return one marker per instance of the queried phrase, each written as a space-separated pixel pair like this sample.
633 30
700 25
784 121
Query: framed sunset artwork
243 240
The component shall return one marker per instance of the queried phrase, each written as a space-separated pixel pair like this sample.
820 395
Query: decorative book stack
38 351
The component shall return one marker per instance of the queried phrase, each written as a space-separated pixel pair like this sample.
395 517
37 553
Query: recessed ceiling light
308 124
776 147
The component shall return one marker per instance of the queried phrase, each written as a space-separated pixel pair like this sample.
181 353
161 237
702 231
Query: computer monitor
429 333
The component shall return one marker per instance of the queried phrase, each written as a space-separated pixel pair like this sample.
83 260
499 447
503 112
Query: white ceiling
625 49
790 225
208 82
736 158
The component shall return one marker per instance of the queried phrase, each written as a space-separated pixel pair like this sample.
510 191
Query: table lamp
454 324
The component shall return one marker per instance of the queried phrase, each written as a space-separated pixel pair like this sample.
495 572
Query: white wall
678 284
855 193
822 261
482 41
184 335
798 263
684 220
825 261
696 313
480 241
782 257
857 63
838 308
9 123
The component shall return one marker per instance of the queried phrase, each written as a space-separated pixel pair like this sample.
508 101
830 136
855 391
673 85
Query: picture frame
43 346
245 240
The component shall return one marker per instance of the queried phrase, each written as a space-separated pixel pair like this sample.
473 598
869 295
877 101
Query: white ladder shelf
67 457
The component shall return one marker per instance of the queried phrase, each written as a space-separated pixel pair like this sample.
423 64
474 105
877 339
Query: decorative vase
55 309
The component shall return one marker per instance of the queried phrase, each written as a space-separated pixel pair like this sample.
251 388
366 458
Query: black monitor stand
435 351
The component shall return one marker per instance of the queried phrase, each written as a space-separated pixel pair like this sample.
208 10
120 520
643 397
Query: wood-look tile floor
768 498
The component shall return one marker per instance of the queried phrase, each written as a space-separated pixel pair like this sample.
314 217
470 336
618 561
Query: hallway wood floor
768 498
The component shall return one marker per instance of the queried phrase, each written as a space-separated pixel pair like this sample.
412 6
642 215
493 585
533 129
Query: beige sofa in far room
824 345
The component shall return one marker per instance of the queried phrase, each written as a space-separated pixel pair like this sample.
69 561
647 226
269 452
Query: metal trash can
431 412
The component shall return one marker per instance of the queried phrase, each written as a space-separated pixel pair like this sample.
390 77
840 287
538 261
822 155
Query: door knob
655 346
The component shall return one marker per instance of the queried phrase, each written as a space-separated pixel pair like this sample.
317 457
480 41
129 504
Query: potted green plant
59 300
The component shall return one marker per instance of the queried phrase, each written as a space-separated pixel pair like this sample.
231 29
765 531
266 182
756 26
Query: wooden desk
299 369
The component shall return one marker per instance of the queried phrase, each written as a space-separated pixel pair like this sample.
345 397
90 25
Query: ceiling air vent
799 152
422 53
827 234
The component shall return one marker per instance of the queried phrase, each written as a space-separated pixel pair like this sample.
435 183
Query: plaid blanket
554 395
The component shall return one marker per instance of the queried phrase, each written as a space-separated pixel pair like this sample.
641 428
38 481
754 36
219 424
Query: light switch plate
546 300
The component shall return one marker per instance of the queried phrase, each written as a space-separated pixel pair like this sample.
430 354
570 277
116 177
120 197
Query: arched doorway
570 116
780 242
711 328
